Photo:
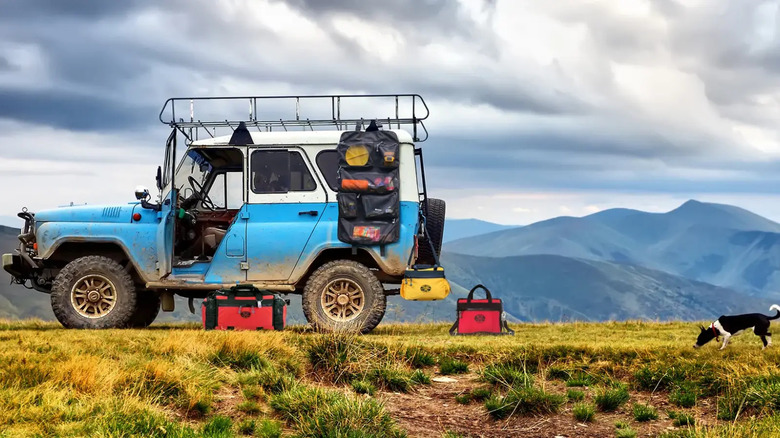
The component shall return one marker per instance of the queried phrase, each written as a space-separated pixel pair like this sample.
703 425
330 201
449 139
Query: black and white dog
728 326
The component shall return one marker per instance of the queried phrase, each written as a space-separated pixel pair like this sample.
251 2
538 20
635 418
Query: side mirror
159 178
142 193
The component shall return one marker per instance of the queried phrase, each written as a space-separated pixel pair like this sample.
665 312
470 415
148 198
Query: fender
136 240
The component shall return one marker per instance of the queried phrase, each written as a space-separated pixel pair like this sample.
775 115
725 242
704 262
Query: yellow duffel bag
425 283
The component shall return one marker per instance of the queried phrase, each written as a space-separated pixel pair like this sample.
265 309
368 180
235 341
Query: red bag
480 317
244 308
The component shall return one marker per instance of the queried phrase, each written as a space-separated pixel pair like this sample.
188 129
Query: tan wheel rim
93 296
342 299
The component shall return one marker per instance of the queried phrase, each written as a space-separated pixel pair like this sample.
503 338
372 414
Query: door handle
310 213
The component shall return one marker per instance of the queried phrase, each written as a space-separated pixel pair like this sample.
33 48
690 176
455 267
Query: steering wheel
199 194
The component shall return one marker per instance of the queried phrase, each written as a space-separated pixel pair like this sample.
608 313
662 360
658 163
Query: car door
285 202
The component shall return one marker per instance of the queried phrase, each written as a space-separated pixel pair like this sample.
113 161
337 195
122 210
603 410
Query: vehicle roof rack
324 112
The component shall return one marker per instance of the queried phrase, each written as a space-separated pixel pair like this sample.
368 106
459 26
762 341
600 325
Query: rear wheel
146 310
434 232
93 292
344 295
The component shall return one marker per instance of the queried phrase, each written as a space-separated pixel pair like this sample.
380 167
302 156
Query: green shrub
239 359
390 378
448 365
609 399
584 412
143 423
340 356
251 392
579 379
268 428
558 373
481 394
524 401
507 375
463 399
249 407
681 418
363 387
644 412
683 396
320 413
419 358
275 380
420 378
218 427
624 430
574 395
451 434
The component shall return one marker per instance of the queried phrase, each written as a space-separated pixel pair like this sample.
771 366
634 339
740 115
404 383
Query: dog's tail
776 308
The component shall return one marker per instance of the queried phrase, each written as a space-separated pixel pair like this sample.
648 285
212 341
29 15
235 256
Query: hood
88 213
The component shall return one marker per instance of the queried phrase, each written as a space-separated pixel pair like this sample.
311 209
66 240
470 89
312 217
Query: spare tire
434 232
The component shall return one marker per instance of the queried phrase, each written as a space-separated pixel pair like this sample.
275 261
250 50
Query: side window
328 162
227 195
280 172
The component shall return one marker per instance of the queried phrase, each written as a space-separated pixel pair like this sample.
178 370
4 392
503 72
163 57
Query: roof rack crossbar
395 119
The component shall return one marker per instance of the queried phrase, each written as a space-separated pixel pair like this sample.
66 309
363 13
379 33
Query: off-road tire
434 233
375 300
118 317
146 310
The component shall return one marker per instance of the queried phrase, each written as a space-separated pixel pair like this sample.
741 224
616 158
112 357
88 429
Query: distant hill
718 244
455 229
555 288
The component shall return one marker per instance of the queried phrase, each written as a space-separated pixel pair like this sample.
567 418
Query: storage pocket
368 232
356 155
387 153
348 205
367 181
380 206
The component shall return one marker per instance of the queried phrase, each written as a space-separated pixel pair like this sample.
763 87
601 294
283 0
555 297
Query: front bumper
14 265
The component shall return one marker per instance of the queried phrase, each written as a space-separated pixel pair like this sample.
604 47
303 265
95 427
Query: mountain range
719 244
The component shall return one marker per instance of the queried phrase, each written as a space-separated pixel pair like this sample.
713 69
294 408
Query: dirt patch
431 410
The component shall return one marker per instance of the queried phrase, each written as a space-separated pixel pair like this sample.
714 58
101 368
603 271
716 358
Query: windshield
192 165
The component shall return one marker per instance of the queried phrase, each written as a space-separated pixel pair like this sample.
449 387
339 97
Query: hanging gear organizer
369 206
480 317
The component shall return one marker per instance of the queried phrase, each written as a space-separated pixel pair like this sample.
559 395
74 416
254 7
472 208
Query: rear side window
280 172
328 162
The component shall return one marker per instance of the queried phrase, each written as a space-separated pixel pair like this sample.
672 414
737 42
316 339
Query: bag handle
258 294
479 286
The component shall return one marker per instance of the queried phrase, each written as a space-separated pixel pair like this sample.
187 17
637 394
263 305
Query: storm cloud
650 97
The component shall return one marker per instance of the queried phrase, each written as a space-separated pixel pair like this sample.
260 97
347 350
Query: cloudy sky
538 109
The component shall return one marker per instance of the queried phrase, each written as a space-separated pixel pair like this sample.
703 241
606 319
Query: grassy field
576 379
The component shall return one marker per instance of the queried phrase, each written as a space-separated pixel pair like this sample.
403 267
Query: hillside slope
455 229
555 288
719 244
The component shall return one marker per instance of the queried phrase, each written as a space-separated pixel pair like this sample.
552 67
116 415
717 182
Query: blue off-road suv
259 205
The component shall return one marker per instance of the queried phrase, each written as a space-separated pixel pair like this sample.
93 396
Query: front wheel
93 292
344 295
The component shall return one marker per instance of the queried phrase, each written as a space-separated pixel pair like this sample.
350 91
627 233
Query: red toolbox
480 317
244 307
